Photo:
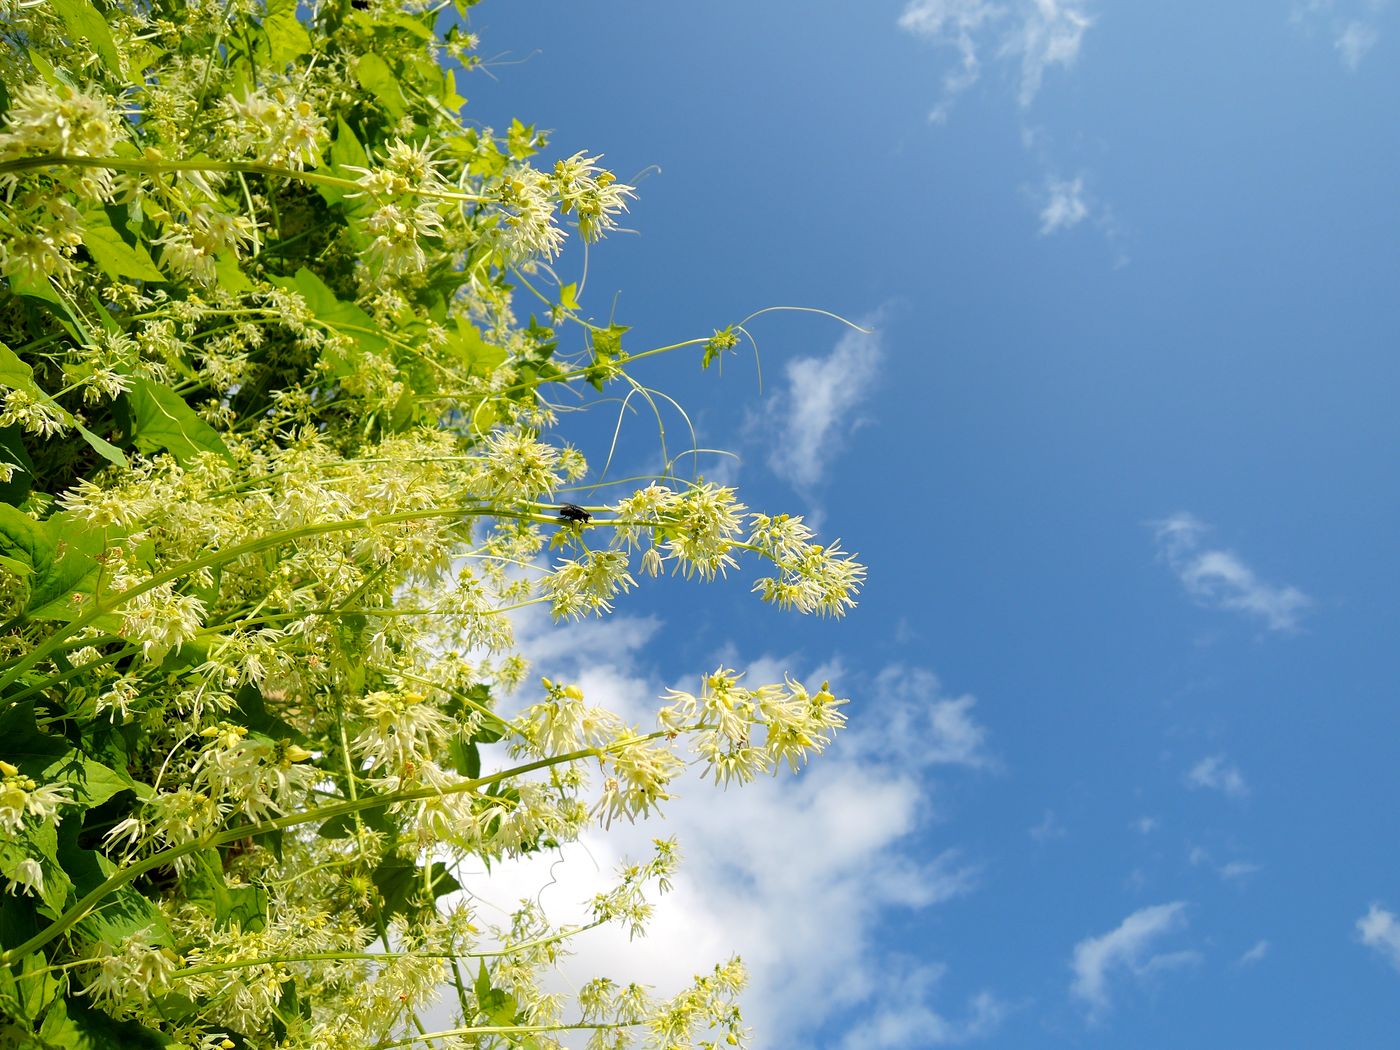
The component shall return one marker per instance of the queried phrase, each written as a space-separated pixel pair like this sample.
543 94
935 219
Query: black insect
360 5
573 512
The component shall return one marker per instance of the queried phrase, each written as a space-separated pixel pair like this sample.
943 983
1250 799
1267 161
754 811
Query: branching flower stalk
276 468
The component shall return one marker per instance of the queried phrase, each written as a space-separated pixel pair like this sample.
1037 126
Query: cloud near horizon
1219 578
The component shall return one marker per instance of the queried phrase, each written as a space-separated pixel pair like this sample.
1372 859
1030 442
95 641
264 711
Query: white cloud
1353 42
1034 34
903 1019
1125 949
1048 828
1065 206
1350 24
1221 579
1238 869
1379 929
924 727
807 422
1049 34
796 874
1216 773
1146 825
952 23
1254 955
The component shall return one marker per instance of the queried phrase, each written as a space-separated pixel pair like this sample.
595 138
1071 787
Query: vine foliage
279 456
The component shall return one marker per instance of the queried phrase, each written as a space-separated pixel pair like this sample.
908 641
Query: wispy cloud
1237 869
1254 955
1351 24
1127 950
1353 42
1217 774
927 727
809 419
1035 35
1048 828
1220 578
1065 206
1379 929
903 1018
797 874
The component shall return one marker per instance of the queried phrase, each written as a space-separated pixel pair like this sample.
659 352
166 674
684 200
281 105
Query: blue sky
1122 764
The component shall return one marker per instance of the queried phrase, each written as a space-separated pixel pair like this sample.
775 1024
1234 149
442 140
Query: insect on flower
574 513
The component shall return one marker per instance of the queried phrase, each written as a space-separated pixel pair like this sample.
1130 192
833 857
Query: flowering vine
278 456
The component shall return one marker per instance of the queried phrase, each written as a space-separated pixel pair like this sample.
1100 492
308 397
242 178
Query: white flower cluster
275 127
65 121
22 798
746 732
811 578
591 194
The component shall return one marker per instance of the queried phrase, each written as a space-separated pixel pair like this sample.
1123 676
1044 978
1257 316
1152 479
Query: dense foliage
279 457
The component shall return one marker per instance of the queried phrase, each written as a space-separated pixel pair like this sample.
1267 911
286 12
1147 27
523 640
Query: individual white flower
27 876
22 797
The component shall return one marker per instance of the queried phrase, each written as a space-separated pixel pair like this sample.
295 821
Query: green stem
509 1029
262 543
250 167
275 960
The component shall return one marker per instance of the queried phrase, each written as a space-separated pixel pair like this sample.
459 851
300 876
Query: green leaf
287 38
231 275
12 450
112 254
61 552
91 781
38 843
466 343
16 374
607 351
35 288
346 318
84 21
160 419
124 912
378 79
24 744
466 757
103 447
87 868
255 716
346 152
522 140
27 987
400 885
568 298
241 906
72 1025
